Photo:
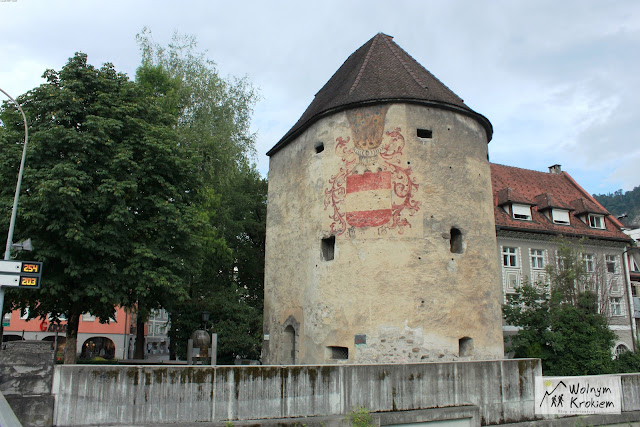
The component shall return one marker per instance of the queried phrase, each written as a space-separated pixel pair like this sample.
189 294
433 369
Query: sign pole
14 211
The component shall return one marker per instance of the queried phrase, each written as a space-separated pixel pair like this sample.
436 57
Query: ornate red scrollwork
390 160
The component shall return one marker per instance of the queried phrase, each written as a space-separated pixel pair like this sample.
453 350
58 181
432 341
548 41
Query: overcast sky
559 80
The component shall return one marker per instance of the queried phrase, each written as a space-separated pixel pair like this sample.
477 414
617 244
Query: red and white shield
368 201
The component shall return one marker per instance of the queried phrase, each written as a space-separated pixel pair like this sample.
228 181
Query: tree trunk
139 353
70 353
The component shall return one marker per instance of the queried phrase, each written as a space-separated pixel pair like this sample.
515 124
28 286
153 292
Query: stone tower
381 241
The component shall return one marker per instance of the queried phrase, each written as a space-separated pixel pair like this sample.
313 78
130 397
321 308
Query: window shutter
560 216
524 210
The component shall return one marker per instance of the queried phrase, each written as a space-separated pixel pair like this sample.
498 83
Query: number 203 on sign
30 282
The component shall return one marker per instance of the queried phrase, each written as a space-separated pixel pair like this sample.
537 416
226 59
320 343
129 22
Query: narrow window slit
328 247
455 242
465 347
425 133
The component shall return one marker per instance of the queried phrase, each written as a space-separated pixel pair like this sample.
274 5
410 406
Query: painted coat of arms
374 187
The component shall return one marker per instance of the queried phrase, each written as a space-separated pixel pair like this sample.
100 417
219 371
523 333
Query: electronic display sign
22 274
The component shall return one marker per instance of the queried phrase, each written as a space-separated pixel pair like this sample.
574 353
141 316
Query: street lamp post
14 211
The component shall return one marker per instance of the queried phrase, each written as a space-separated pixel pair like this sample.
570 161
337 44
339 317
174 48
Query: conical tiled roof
380 71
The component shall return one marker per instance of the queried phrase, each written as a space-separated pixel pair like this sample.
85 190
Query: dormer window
560 216
521 212
596 221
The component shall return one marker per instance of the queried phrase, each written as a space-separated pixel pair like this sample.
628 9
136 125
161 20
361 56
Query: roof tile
379 71
509 195
548 190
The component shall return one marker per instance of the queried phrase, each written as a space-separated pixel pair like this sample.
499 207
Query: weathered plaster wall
393 279
26 374
144 395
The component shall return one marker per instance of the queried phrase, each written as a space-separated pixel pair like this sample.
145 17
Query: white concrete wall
503 390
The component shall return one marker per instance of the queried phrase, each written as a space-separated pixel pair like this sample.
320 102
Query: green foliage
108 195
214 112
529 309
142 194
561 325
627 362
214 117
619 203
582 339
360 417
570 340
568 274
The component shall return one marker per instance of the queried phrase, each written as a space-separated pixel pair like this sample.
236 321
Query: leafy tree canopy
108 196
214 118
626 204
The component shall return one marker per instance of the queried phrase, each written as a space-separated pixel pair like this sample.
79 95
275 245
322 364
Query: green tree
214 118
626 204
108 196
561 323
627 362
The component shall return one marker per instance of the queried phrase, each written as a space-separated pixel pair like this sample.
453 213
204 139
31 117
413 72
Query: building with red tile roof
533 210
545 192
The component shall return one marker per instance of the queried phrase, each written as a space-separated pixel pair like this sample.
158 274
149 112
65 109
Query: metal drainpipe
125 335
627 278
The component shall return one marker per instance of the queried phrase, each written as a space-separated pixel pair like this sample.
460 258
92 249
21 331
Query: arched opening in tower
288 352
465 347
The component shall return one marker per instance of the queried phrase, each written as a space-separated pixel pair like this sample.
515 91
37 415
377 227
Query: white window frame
589 263
537 259
616 287
620 348
560 216
510 253
521 212
633 265
596 221
611 260
616 307
560 261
